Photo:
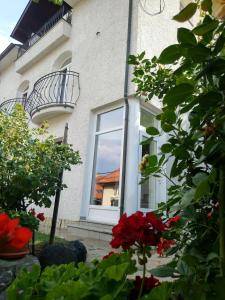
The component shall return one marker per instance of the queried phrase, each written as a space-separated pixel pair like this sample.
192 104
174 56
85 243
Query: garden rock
59 253
79 248
10 268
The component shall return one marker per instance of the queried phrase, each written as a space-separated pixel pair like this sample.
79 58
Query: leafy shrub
31 162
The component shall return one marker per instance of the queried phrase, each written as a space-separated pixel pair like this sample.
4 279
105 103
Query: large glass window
147 188
107 160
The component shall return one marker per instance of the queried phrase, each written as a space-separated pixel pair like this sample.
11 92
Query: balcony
54 32
54 94
8 106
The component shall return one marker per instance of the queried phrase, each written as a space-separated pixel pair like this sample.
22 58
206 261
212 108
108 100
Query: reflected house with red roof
107 188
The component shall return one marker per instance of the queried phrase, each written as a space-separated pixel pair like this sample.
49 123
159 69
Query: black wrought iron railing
9 105
63 13
61 88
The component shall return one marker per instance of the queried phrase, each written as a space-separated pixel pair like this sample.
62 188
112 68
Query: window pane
106 176
147 119
148 188
111 119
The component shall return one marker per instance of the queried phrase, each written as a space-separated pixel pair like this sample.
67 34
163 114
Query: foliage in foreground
189 78
137 234
102 280
30 163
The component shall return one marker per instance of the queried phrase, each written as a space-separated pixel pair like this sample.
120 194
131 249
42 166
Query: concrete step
92 230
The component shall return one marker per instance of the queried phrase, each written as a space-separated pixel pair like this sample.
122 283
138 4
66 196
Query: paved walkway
98 249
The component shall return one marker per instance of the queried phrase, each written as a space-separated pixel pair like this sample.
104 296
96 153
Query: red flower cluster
173 221
163 245
39 216
11 234
137 229
149 284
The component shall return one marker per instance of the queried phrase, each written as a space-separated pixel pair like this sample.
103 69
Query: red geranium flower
164 244
137 229
41 217
21 236
108 255
209 215
149 284
7 226
11 234
32 211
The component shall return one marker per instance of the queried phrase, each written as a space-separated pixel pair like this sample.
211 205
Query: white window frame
143 133
96 134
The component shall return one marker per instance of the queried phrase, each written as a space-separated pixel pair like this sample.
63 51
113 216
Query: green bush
30 163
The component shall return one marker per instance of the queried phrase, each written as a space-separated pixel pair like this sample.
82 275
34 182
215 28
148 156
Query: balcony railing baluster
61 88
57 88
9 105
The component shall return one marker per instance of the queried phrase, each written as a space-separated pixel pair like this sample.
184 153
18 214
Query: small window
107 160
147 119
147 188
110 119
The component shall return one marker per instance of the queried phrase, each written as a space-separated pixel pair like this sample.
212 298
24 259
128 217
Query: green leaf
163 271
204 28
217 67
198 53
222 83
153 160
166 148
116 272
152 131
178 94
185 36
210 98
167 127
141 56
162 292
186 13
183 267
170 54
168 116
219 45
202 190
199 177
187 198
206 5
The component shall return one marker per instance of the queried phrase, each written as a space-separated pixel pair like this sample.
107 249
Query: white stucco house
70 66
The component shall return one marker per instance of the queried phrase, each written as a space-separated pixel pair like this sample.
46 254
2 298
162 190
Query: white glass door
106 176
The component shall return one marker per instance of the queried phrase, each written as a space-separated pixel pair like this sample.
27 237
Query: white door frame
98 213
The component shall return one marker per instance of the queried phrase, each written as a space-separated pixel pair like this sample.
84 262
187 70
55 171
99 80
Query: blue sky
9 14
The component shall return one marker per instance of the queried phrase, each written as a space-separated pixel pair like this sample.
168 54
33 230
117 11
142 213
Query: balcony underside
50 111
57 35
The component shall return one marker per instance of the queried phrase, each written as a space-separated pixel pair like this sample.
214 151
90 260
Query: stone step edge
90 229
95 223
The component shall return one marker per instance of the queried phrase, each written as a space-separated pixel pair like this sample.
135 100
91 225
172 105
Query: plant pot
12 253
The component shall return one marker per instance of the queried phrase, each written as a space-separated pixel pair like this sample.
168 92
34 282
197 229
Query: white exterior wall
100 61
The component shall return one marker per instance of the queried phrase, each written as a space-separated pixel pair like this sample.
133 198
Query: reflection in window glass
148 188
106 172
147 119
111 119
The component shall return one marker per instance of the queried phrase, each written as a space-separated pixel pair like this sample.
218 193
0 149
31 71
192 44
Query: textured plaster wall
98 46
